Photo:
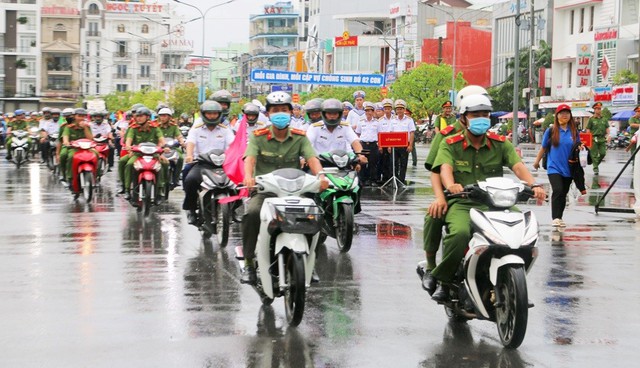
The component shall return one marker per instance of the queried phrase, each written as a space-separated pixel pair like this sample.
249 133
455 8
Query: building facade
20 59
273 34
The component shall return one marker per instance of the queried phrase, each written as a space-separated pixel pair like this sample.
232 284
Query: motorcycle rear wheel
294 296
512 315
224 219
344 228
87 188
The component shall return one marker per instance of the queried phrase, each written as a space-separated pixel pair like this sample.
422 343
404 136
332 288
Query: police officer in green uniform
634 121
269 149
143 130
447 117
75 128
434 218
18 123
598 126
170 130
463 159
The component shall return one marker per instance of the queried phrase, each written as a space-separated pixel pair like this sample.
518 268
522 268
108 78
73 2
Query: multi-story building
273 34
131 45
593 41
60 48
223 66
19 57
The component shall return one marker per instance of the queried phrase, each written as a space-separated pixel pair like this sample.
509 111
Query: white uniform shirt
354 117
252 128
298 123
368 130
323 140
205 140
385 123
405 124
49 126
103 129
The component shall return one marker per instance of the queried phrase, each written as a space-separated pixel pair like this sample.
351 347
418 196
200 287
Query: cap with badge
447 104
400 103
369 105
387 102
379 106
637 108
360 94
597 104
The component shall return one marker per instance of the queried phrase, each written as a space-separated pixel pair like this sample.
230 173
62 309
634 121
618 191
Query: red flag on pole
233 163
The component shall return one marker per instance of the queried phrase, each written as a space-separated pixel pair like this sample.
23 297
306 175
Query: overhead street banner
277 76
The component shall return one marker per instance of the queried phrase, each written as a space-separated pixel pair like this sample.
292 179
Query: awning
521 115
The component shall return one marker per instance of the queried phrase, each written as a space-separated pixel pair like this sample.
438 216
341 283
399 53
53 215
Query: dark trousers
44 150
559 188
110 156
414 154
387 164
369 171
191 185
251 224
402 159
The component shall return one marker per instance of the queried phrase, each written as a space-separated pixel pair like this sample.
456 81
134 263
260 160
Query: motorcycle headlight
503 197
84 145
340 161
148 150
290 185
217 160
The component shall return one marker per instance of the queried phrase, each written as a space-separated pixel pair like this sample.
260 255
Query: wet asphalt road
96 285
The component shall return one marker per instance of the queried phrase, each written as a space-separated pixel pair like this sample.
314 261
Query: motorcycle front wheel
147 187
18 158
512 314
344 227
223 224
295 294
87 185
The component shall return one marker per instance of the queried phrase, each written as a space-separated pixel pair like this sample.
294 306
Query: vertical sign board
583 60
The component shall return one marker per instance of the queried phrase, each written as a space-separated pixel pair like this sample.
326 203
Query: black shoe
314 277
122 191
441 294
429 283
127 195
248 275
110 169
192 217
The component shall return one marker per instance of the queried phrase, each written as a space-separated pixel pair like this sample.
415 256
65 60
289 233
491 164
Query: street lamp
202 15
455 29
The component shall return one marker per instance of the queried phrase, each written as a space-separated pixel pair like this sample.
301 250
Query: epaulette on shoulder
298 131
223 126
318 124
455 139
259 132
154 124
199 125
447 130
134 126
496 137
261 123
344 123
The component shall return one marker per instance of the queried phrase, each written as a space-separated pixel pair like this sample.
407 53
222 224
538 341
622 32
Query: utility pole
516 72
531 63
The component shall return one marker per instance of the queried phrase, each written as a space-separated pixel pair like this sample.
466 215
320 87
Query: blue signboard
277 76
282 87
390 75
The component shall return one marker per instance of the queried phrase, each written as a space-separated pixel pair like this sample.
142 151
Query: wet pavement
96 285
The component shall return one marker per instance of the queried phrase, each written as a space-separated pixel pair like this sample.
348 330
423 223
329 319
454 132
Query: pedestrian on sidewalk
598 126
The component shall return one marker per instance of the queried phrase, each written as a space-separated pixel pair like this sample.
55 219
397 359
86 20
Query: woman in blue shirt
559 140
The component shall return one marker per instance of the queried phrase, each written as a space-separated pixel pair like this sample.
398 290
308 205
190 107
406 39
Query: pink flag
233 163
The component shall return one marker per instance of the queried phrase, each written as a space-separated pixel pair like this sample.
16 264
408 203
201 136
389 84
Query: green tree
625 76
606 113
123 100
426 87
184 99
118 100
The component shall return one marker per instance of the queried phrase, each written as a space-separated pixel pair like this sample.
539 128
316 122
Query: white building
130 45
592 41
20 72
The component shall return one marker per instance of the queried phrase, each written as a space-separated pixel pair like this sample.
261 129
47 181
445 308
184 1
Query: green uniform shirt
18 125
271 154
633 120
73 132
598 126
433 151
171 131
471 165
153 135
443 122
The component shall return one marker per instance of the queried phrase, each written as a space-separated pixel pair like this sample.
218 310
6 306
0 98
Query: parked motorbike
172 156
52 159
341 200
490 283
102 147
147 168
285 250
84 166
19 147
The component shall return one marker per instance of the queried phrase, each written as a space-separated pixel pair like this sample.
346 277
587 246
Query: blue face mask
280 120
479 126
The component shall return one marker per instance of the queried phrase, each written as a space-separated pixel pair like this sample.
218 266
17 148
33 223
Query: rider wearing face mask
463 159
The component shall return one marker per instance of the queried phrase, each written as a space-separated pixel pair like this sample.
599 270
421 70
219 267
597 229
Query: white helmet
470 91
475 103
165 111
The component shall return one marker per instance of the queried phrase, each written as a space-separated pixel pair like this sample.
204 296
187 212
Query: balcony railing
59 87
93 33
121 76
146 55
59 68
146 76
122 54
274 31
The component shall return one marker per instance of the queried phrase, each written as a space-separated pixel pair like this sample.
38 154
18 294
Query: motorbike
19 147
491 283
102 147
341 200
34 134
215 214
287 240
52 159
147 167
172 156
84 166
